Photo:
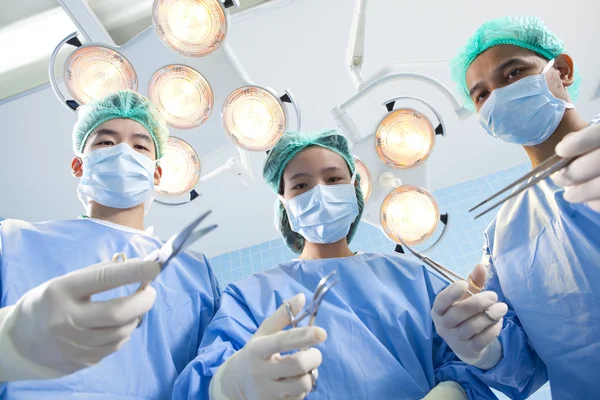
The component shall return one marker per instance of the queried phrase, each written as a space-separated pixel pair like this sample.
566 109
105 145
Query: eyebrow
499 68
111 132
324 170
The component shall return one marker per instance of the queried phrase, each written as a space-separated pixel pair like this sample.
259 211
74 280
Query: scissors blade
178 241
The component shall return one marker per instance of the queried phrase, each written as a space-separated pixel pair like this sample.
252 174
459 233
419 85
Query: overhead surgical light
253 118
404 138
410 213
366 181
181 168
193 28
182 94
93 71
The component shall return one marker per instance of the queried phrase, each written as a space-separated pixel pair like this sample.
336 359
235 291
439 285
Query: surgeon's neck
129 217
571 122
314 251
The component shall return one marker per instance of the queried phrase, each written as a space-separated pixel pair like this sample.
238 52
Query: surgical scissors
174 245
311 309
542 171
450 275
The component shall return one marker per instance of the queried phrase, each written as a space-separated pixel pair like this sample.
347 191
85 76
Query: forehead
314 158
484 66
123 126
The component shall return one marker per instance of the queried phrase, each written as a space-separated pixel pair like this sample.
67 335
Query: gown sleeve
228 332
520 371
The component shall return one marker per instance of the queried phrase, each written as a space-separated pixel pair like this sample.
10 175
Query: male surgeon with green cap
543 247
375 337
71 323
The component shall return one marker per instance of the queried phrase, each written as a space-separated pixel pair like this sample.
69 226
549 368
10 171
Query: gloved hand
581 178
55 329
447 390
461 321
259 371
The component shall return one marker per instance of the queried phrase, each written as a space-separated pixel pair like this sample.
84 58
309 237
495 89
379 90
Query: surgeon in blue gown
543 247
60 341
377 339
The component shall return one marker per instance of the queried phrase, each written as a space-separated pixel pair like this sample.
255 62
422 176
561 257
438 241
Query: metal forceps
310 310
542 171
450 275
174 245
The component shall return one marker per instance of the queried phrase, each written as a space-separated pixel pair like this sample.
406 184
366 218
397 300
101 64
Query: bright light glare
253 118
366 181
182 94
190 27
411 213
404 138
92 72
33 39
181 168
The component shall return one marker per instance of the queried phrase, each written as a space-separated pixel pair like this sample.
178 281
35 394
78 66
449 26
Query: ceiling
30 30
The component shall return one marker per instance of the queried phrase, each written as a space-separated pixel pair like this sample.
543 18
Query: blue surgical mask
524 113
324 214
117 177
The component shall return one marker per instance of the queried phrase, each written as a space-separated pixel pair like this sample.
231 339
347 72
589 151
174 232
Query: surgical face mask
524 113
325 213
117 177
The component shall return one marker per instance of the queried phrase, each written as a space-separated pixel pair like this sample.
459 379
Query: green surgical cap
290 144
123 104
527 32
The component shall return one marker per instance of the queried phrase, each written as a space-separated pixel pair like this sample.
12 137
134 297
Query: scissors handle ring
313 378
290 313
119 257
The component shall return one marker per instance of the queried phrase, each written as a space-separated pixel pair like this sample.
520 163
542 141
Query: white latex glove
460 320
581 178
447 390
55 329
259 371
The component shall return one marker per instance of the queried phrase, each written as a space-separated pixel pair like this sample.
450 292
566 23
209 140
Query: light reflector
94 71
181 168
182 95
366 181
411 213
253 118
193 28
404 138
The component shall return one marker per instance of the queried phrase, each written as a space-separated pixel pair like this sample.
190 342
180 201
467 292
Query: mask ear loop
353 178
547 68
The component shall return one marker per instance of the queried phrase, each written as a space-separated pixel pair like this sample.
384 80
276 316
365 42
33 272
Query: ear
565 65
77 167
157 175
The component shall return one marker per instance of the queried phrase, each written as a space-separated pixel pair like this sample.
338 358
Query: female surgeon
381 343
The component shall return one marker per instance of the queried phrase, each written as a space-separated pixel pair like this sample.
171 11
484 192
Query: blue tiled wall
459 248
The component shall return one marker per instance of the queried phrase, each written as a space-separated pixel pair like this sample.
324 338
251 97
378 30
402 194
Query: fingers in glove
281 319
116 312
583 192
297 364
465 309
292 339
480 322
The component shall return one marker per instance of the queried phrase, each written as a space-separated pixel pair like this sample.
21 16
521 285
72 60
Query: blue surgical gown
381 340
545 259
159 350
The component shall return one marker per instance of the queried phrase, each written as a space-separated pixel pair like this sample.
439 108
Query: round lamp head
410 213
193 28
366 181
182 95
253 118
181 168
92 72
404 138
